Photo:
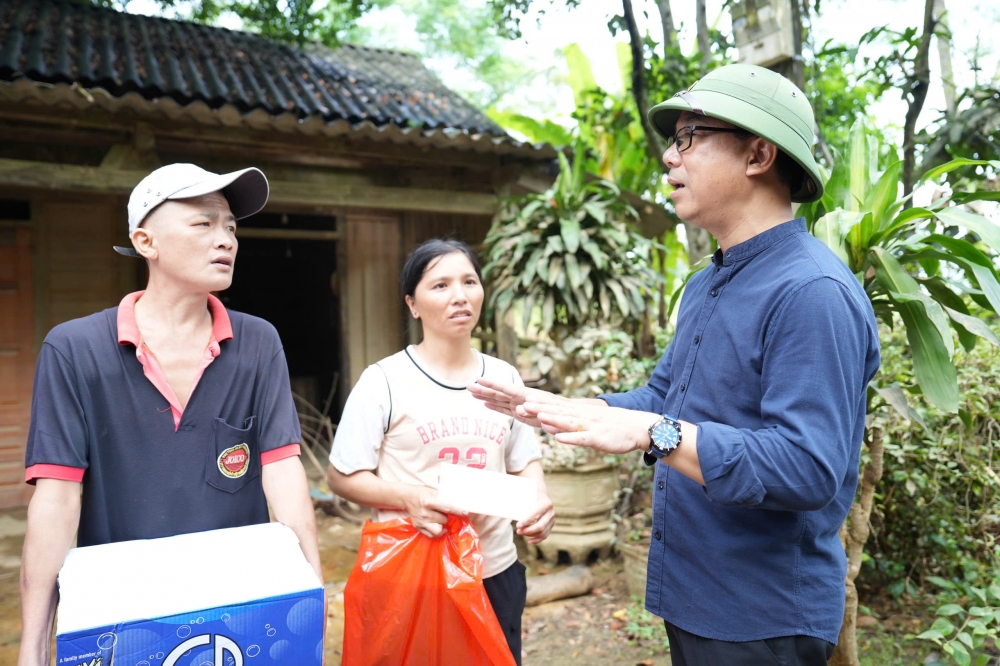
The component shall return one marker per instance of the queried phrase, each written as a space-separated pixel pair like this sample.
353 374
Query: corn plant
933 268
571 251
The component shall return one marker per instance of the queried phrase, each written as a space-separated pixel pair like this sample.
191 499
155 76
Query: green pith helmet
758 100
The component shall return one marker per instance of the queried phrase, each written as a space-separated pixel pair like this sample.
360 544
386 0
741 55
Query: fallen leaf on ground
597 591
620 614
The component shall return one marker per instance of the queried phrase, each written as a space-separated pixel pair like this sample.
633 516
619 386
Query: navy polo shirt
96 417
775 345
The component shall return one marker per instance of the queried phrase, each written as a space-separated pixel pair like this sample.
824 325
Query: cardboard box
234 597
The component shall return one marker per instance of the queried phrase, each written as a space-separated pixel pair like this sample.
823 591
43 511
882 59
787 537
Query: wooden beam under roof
330 190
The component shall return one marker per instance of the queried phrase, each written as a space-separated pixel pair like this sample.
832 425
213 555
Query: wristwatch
664 438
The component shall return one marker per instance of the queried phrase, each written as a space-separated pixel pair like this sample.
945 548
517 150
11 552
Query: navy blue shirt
95 411
775 345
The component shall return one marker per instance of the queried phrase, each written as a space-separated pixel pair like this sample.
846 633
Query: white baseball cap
246 190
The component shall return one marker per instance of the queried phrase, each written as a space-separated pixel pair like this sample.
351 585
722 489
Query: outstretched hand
611 430
509 399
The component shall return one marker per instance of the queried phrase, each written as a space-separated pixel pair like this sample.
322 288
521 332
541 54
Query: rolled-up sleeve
813 378
648 398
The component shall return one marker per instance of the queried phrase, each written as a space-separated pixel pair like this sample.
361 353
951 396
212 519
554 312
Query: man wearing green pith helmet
754 416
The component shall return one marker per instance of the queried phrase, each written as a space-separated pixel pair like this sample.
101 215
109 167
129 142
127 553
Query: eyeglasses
685 135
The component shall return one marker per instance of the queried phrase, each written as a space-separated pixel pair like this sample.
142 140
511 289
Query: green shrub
937 507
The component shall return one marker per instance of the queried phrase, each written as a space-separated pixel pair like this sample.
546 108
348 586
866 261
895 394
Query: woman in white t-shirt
410 411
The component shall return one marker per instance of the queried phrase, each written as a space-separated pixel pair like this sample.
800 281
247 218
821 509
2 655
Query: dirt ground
587 631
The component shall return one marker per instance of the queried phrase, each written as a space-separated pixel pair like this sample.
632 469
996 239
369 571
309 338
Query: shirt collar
128 330
759 243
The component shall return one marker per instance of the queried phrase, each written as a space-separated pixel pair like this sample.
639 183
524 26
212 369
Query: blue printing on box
279 630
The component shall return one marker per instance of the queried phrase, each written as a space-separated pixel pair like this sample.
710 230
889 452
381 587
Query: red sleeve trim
60 472
280 453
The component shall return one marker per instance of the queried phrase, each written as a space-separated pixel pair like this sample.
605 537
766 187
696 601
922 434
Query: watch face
665 436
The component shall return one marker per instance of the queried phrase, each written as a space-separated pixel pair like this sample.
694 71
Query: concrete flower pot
583 497
636 557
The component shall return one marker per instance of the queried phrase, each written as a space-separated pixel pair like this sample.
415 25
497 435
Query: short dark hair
418 261
789 172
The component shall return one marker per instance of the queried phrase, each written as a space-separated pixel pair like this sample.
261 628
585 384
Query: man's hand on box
427 514
536 528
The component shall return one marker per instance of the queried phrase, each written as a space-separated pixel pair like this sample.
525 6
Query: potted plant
569 258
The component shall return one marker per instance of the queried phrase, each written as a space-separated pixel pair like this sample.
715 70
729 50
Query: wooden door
372 308
84 275
17 361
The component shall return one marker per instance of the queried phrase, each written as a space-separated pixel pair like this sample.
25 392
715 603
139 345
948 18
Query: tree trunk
943 34
919 83
667 21
854 533
798 68
654 144
704 43
699 241
661 310
507 346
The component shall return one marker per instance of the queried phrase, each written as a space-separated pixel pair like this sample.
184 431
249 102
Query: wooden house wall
17 360
371 310
83 274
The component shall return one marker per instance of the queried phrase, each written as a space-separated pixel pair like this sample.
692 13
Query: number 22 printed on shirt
475 455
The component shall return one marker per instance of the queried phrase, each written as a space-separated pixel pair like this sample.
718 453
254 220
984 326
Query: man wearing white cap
168 414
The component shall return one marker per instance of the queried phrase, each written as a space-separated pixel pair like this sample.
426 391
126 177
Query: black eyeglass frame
675 140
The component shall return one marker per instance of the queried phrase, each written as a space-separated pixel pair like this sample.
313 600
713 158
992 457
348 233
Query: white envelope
487 493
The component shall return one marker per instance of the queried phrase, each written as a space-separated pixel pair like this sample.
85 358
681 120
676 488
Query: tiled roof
59 42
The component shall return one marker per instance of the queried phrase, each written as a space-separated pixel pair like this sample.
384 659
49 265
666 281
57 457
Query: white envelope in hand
487 493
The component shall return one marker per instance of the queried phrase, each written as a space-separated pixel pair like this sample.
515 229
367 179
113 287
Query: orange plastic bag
411 599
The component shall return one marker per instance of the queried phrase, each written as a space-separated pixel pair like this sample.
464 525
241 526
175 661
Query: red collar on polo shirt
128 334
